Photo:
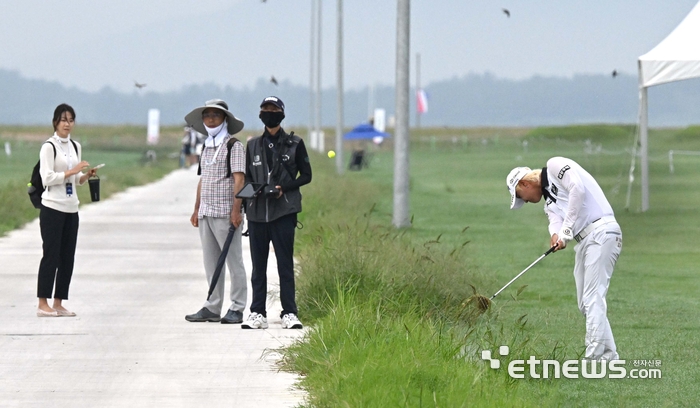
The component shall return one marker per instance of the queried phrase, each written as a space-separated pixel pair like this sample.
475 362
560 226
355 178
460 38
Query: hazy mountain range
471 100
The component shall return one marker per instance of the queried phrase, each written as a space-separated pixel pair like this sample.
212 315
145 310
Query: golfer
578 211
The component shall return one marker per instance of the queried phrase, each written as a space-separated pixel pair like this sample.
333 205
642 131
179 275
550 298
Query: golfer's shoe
291 321
255 321
204 315
232 317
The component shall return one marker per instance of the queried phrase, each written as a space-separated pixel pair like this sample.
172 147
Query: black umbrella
222 260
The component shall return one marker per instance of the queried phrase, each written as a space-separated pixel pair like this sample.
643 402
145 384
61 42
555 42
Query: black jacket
277 165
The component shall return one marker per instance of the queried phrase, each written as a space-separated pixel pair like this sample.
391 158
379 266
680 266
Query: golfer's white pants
596 256
213 232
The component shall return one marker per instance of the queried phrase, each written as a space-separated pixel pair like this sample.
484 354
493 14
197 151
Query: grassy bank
365 285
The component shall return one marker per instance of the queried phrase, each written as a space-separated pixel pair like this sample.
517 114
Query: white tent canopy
675 58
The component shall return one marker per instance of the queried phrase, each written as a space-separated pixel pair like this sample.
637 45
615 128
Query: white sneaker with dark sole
291 321
255 321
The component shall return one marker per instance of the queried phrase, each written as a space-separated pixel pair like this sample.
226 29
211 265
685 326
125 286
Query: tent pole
633 163
644 147
635 149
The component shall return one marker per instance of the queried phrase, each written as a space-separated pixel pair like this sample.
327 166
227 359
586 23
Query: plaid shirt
216 195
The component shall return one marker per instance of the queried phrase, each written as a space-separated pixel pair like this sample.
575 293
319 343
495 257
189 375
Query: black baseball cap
273 100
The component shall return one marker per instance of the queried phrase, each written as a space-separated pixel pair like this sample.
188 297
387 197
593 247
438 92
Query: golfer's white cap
512 181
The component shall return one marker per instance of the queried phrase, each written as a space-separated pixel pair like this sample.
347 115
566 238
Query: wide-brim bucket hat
194 118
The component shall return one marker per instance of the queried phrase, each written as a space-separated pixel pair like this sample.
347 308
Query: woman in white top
61 169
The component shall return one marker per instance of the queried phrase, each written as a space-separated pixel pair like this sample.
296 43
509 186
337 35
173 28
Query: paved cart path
138 272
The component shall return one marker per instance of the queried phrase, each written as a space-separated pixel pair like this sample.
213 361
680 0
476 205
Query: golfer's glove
566 235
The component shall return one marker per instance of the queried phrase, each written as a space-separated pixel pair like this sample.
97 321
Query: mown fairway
458 181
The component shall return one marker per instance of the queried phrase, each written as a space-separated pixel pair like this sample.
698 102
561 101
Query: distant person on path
195 146
577 210
61 168
216 208
191 146
275 159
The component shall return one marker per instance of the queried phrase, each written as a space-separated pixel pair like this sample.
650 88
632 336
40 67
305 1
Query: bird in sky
138 85
506 12
273 80
614 73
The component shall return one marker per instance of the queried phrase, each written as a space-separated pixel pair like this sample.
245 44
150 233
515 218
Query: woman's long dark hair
60 109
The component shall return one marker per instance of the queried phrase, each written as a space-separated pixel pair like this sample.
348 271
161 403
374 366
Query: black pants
281 233
59 232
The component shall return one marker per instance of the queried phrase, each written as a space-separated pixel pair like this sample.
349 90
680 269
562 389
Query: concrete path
138 272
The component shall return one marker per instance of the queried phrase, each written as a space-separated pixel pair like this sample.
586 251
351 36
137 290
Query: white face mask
213 132
216 134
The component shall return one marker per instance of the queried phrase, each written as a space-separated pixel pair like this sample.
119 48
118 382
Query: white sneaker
291 321
255 321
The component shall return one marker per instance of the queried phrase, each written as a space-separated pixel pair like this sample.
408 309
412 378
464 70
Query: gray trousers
596 256
213 232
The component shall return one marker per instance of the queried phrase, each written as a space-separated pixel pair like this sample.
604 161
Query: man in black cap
280 162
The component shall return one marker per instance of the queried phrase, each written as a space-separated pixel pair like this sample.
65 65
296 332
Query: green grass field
458 181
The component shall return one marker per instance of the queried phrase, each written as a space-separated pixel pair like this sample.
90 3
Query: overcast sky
168 44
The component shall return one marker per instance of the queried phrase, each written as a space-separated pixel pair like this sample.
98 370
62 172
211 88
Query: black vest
284 170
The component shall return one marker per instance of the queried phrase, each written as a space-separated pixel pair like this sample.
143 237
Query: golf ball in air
331 154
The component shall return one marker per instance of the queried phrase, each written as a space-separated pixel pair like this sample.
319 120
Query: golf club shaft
524 270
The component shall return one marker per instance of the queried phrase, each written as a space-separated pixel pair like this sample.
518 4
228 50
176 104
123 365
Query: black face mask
271 119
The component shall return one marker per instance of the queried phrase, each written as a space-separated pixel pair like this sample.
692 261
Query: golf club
524 270
483 303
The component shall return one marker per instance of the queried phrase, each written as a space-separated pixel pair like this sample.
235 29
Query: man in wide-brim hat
195 119
222 171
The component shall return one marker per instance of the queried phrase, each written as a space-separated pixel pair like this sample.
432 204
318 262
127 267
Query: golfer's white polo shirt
576 199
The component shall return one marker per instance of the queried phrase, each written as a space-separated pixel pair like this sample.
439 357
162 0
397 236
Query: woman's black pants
59 232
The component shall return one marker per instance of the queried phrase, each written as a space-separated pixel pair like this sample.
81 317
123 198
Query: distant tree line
470 100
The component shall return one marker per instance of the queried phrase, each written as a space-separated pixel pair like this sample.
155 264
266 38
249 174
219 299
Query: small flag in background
421 101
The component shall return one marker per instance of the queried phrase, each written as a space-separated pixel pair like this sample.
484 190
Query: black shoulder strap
229 146
54 148
291 139
75 146
232 141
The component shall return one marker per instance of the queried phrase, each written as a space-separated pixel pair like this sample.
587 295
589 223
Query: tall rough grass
379 263
359 356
